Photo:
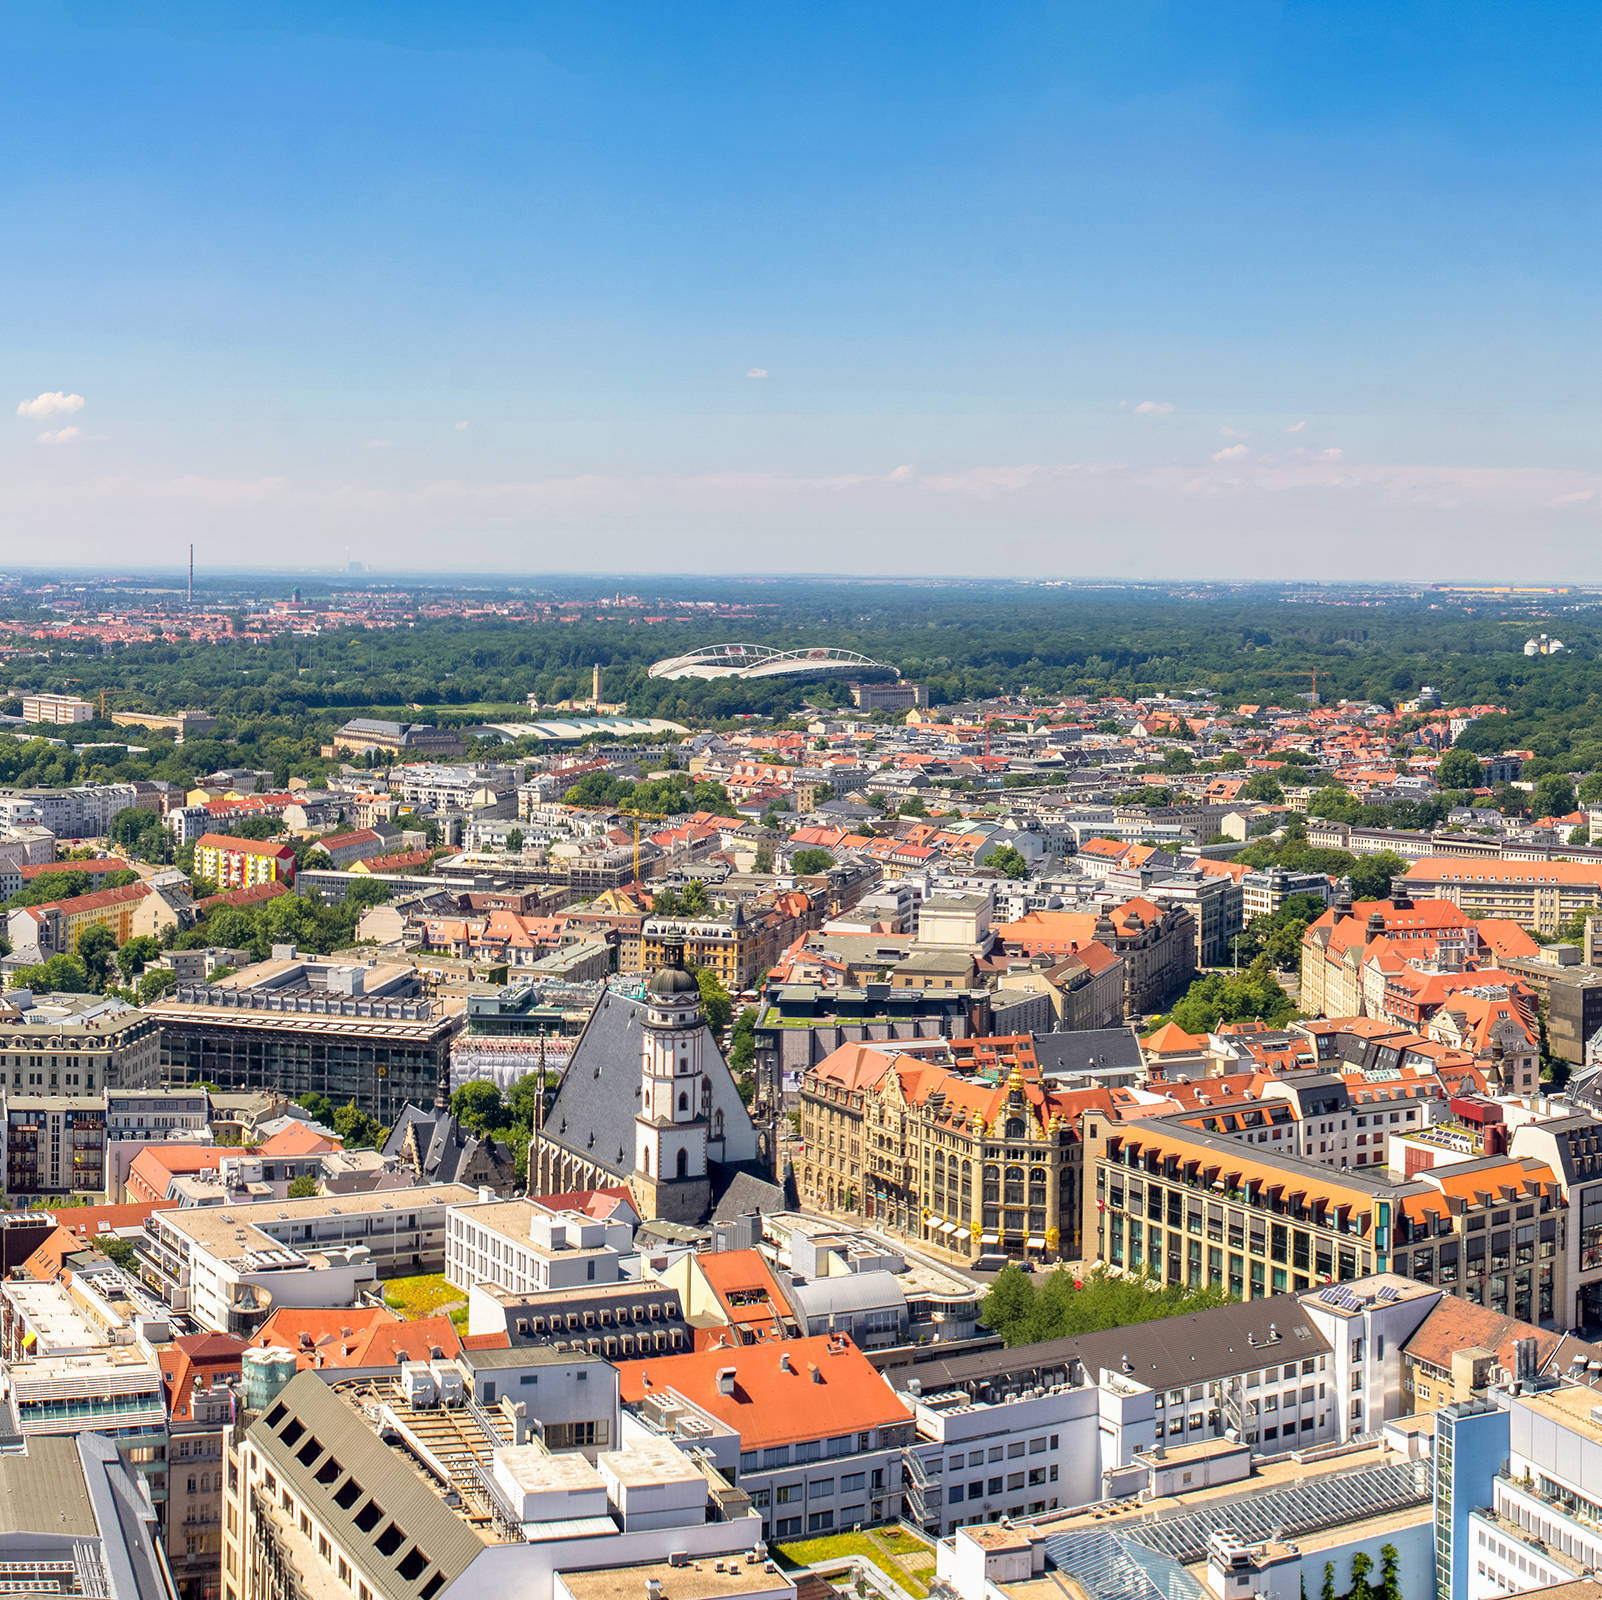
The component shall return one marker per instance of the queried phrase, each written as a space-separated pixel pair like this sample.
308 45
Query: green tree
318 1107
716 1005
1231 761
1263 786
61 974
1252 995
356 1129
522 1100
1008 861
1061 1306
1327 1592
155 983
1010 1303
742 1053
912 806
514 841
477 1105
695 900
810 862
117 1250
1554 796
1362 1565
666 902
1459 769
1390 1584
1371 876
136 955
302 1188
97 950
764 859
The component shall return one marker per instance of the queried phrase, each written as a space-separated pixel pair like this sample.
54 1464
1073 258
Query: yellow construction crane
630 811
1291 672
114 694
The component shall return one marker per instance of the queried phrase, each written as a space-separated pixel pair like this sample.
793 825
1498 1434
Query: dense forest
283 695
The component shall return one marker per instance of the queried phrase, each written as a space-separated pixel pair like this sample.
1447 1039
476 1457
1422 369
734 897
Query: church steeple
671 1127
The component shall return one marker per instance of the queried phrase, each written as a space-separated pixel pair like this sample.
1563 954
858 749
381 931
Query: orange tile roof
854 1066
298 1140
1456 1324
1453 869
831 1388
1171 1039
197 1357
88 1221
251 896
248 847
99 866
49 1257
750 1295
355 1336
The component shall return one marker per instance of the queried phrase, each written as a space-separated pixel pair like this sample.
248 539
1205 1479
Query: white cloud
61 436
52 404
1334 453
461 427
1227 432
1232 452
903 474
1296 427
1154 408
756 372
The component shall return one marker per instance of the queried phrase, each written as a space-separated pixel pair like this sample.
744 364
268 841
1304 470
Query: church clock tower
671 1128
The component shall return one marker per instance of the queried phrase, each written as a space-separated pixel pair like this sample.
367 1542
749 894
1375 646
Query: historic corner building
648 1101
954 1161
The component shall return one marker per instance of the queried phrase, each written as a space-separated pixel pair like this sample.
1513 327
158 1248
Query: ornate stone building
968 1164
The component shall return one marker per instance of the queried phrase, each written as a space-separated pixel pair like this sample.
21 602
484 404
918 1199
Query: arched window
648 1163
1015 1128
684 1101
684 1164
717 1124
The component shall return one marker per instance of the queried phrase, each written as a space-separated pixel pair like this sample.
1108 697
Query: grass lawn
902 1558
426 1295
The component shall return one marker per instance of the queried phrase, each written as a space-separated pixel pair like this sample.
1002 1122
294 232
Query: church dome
673 981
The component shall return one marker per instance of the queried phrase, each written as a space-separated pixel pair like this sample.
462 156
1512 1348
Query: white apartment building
84 811
56 708
1019 1455
527 1248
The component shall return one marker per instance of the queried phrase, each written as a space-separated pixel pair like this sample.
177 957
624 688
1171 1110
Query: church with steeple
647 1100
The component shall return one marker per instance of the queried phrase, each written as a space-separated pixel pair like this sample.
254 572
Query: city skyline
1042 291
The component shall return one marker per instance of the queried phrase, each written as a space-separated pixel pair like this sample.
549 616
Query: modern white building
230 1266
527 1248
56 708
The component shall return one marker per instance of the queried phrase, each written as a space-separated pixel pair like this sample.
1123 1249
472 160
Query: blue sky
1223 289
